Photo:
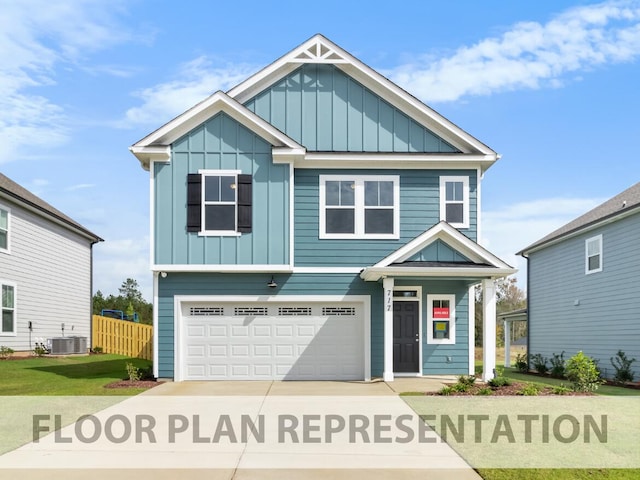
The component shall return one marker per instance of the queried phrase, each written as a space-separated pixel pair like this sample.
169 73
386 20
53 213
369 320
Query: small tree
622 365
582 371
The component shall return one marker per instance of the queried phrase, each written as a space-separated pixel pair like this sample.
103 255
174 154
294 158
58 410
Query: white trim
203 203
354 270
178 300
387 335
291 216
373 274
152 214
488 329
465 201
228 268
14 285
598 240
8 210
452 319
417 298
359 206
471 325
155 325
478 207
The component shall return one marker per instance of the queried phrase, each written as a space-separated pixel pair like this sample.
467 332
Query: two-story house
316 222
45 270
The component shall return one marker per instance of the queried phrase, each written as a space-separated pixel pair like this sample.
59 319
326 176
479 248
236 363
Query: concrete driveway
247 430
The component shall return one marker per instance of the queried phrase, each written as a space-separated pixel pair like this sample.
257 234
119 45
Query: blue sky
551 86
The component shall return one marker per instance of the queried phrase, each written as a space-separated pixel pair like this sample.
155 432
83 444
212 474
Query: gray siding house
45 270
584 284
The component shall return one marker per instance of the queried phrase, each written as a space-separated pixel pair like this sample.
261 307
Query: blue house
583 288
316 222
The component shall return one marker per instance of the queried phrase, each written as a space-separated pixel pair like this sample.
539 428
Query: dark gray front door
406 342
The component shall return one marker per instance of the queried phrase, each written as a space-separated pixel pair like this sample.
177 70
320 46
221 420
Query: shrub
466 380
558 365
133 372
622 365
498 382
521 363
446 391
560 390
460 387
97 350
539 363
40 350
485 391
530 390
5 352
583 373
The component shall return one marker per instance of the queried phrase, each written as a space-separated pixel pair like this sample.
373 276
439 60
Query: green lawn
602 390
81 375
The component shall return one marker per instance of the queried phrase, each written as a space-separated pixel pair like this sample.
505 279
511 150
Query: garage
299 340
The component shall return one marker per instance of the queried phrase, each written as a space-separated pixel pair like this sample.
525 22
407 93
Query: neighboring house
316 222
583 284
45 270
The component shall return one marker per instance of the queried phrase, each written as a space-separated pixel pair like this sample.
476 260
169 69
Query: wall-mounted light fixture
163 274
272 283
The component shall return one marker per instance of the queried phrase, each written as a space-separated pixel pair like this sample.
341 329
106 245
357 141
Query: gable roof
11 189
481 262
621 205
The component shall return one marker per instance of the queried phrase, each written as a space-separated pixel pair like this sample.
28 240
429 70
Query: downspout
528 308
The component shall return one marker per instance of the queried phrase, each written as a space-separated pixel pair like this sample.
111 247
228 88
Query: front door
406 340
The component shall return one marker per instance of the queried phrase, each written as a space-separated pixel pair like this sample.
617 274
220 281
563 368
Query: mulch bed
133 384
509 390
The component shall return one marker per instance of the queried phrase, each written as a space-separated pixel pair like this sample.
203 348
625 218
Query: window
219 202
4 229
359 207
593 254
454 201
441 319
8 326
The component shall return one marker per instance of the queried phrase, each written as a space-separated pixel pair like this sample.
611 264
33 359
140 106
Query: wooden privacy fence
122 337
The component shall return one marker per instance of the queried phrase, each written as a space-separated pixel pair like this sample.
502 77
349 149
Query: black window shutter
194 202
244 203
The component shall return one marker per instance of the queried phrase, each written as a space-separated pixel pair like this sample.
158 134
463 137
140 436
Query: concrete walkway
303 451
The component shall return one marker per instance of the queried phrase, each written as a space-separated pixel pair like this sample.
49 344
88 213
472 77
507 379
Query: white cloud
35 37
80 186
510 229
194 81
530 55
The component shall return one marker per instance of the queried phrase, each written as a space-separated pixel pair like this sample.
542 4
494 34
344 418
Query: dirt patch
133 384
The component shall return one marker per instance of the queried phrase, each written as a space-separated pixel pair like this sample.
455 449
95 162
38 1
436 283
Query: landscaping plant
582 371
521 363
622 365
558 365
133 372
539 363
5 352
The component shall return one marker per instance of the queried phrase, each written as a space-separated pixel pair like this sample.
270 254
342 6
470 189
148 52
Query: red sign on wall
440 312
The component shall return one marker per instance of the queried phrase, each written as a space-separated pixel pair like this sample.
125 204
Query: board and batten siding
221 143
419 211
51 268
597 313
324 109
434 356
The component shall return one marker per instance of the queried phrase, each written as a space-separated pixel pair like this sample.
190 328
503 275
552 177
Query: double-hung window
219 202
593 254
454 201
8 326
359 207
441 319
4 229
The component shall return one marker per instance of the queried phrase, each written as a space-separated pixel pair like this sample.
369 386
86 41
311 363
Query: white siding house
45 270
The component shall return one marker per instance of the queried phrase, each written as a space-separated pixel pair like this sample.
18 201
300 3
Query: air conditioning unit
62 346
79 344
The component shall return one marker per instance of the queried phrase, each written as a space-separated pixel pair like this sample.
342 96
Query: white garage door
267 341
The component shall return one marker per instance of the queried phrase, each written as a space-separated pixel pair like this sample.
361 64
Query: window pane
212 188
3 240
386 194
594 262
378 221
441 329
454 191
4 220
228 189
7 296
455 213
371 194
220 217
347 193
593 247
340 220
7 321
332 192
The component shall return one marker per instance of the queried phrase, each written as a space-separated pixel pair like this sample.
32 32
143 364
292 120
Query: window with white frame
4 229
441 319
219 202
359 207
454 201
8 326
593 254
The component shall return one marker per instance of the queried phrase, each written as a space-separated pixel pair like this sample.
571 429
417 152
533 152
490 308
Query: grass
557 474
82 375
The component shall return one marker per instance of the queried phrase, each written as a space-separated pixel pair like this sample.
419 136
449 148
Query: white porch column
489 329
387 284
507 344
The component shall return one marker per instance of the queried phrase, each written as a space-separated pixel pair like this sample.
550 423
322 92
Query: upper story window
8 326
359 207
593 254
4 229
454 201
219 202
